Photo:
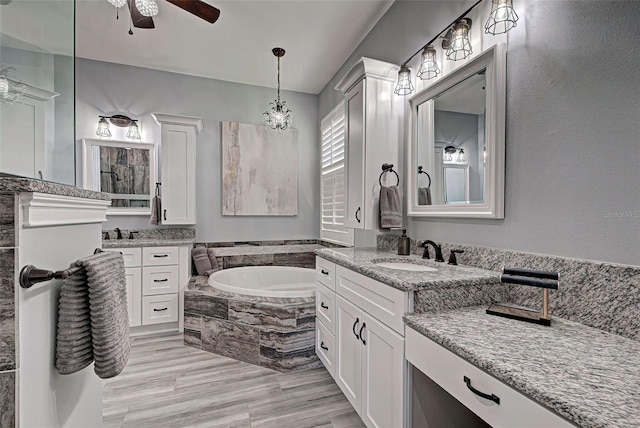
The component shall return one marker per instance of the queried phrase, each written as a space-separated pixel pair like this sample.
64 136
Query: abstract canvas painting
259 170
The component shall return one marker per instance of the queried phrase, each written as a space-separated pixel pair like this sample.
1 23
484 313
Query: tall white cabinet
374 135
178 167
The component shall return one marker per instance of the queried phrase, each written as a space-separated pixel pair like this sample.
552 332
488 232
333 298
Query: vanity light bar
501 10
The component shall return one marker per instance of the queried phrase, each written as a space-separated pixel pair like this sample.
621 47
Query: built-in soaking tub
263 315
266 281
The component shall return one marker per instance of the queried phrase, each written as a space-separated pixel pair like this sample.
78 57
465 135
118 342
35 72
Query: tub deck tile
193 321
270 317
193 338
233 340
206 304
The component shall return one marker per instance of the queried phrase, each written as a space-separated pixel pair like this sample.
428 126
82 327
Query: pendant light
502 17
279 115
404 85
428 65
103 128
458 44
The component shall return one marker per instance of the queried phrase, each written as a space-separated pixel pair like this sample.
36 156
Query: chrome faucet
436 247
118 233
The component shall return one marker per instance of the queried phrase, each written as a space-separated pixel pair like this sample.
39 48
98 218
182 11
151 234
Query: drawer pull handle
160 280
354 328
157 256
324 272
323 306
323 347
364 325
358 218
491 397
159 310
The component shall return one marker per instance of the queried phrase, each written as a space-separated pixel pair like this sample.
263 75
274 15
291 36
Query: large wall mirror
125 170
37 126
456 146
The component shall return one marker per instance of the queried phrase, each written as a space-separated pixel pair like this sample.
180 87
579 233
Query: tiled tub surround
605 296
448 287
277 333
589 376
8 307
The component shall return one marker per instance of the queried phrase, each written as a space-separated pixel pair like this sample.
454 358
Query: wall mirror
456 145
123 169
37 126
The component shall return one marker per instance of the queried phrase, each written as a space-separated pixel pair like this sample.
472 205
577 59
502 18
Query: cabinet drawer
326 307
448 370
325 347
159 309
383 302
326 273
132 256
159 280
160 256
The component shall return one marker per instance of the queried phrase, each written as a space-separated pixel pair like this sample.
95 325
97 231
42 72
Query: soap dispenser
404 244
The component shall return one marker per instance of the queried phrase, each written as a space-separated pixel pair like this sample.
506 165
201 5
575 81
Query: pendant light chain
278 79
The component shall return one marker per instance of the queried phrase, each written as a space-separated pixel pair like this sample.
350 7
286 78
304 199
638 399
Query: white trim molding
42 209
172 119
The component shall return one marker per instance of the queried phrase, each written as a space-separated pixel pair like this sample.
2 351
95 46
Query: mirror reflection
451 144
37 127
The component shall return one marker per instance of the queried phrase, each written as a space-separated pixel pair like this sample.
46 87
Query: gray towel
214 261
93 323
424 196
201 260
390 208
156 209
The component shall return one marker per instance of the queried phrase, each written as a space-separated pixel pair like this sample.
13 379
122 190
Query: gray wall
106 88
573 122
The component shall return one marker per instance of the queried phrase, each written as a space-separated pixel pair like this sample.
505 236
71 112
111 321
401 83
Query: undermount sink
406 266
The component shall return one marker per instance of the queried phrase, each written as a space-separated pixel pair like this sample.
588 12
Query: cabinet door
178 174
354 101
382 375
134 295
349 350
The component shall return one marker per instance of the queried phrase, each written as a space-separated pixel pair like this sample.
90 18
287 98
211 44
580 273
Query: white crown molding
367 67
35 92
42 209
172 119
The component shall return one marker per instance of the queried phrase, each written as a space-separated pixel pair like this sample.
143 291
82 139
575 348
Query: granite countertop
128 243
252 250
589 376
363 261
21 184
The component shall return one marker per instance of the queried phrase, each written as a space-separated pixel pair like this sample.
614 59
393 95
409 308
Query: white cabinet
156 278
178 154
362 332
374 134
503 407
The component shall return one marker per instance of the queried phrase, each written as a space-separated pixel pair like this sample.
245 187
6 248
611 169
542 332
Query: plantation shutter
332 182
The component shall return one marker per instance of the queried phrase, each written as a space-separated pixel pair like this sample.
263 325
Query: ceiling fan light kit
143 11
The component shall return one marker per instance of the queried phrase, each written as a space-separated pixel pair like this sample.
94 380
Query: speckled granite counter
589 376
253 250
127 243
363 260
20 184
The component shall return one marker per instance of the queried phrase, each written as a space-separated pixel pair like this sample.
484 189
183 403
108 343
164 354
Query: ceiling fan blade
138 19
199 9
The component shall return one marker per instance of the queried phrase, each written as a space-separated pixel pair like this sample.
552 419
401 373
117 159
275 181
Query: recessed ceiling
318 36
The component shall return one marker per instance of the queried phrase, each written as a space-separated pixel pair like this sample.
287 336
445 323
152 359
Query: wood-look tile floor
167 384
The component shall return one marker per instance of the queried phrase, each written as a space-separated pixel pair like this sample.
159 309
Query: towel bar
31 275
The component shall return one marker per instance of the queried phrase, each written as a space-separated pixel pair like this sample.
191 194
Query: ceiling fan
143 11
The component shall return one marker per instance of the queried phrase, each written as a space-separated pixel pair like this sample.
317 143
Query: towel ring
420 171
388 167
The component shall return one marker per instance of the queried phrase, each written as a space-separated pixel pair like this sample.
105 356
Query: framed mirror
456 143
124 169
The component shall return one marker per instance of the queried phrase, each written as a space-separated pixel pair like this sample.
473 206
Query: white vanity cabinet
178 154
362 343
504 407
156 278
374 133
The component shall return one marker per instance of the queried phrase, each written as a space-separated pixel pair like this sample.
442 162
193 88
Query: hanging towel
390 211
214 261
156 209
201 260
424 196
93 323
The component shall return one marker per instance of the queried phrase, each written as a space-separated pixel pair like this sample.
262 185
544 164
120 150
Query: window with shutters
333 178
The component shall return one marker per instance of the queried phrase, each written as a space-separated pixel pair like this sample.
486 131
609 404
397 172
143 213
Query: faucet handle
131 234
106 235
452 256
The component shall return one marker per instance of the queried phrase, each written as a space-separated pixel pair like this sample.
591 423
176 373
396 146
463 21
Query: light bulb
502 17
147 7
4 87
461 157
404 85
103 128
118 3
133 132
